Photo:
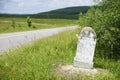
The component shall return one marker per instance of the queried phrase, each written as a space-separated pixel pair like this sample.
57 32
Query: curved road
13 40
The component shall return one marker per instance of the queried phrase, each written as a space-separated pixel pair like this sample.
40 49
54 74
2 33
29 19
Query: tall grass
34 61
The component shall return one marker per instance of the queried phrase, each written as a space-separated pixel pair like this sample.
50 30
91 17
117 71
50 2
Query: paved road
13 40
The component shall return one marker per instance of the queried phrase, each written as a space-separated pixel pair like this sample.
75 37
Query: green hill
64 13
69 10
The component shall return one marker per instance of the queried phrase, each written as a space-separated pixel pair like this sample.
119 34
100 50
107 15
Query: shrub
34 26
105 19
29 22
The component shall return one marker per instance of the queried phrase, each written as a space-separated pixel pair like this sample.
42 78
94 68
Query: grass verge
34 61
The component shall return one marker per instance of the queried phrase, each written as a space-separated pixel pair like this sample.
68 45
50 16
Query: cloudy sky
36 6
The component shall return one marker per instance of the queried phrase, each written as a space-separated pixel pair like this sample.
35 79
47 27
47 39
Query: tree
111 12
29 22
105 19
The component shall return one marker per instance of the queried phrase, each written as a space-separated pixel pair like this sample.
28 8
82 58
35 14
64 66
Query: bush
105 19
29 22
34 26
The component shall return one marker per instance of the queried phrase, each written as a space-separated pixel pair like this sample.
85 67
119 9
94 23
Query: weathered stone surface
85 48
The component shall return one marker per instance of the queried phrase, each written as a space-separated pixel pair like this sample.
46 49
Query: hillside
69 10
64 13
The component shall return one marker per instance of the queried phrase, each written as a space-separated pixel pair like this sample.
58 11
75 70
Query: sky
37 6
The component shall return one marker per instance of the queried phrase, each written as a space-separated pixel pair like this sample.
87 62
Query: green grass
21 24
34 61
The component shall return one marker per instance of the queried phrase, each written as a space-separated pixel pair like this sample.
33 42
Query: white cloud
35 6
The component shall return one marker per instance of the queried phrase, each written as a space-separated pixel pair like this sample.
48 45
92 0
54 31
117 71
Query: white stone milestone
85 48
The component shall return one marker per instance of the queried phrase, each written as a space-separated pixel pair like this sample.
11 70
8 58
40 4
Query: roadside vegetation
35 61
105 20
26 24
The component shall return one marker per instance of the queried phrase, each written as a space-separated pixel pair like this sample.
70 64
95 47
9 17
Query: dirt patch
69 71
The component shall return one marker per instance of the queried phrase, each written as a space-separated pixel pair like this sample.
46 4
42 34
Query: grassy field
34 61
21 24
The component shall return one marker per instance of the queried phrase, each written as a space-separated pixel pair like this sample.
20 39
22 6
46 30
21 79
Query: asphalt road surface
13 40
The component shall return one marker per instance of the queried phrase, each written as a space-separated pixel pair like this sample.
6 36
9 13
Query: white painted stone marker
85 48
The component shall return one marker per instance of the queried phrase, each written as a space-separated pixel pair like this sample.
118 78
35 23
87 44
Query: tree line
65 13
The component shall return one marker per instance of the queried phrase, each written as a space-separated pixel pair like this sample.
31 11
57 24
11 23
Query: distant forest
64 13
